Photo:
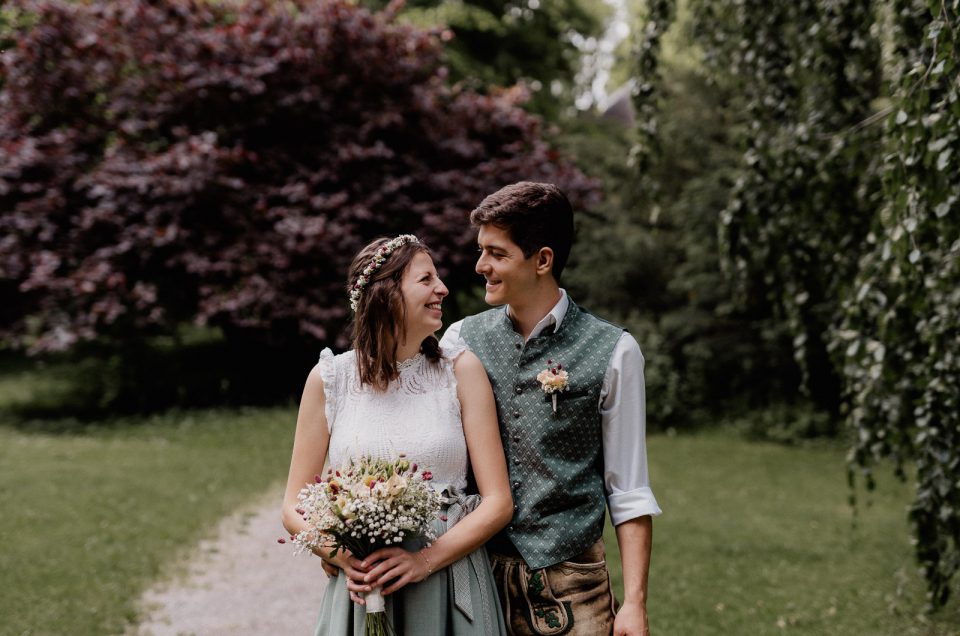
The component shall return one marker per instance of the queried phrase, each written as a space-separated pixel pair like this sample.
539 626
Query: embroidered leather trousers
571 597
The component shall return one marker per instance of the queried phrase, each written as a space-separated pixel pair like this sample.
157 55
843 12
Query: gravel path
241 583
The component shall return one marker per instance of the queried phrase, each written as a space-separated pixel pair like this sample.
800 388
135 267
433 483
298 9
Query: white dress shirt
623 417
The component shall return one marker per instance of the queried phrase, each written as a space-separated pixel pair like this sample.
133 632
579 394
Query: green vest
555 460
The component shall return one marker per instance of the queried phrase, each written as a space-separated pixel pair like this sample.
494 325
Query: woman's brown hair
381 314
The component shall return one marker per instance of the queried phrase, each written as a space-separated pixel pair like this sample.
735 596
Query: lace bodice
418 414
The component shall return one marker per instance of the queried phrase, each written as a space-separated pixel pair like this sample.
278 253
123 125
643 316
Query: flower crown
379 258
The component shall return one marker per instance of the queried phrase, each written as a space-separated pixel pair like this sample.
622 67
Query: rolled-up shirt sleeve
623 413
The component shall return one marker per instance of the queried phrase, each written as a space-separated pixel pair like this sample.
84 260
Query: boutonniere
553 380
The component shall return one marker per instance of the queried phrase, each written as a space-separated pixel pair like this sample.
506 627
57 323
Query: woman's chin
427 329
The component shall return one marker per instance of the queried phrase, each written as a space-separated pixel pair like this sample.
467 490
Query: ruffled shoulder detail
449 354
451 351
328 373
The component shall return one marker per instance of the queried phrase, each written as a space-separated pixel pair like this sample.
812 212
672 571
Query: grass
89 519
756 538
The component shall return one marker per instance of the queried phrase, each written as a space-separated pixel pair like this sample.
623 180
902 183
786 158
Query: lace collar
410 362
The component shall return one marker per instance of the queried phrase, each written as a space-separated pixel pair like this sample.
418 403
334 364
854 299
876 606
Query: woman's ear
545 260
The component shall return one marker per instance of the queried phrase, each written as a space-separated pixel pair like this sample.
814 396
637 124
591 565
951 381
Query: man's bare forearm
635 538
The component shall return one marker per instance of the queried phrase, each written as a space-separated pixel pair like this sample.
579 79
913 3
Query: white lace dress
418 414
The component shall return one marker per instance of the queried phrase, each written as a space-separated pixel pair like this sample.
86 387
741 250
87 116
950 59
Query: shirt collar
554 317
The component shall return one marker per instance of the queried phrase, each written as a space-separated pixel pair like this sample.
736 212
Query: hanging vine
900 338
808 72
850 230
646 95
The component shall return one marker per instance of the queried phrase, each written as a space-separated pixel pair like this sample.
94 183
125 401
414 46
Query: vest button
519 389
516 413
516 484
519 346
516 438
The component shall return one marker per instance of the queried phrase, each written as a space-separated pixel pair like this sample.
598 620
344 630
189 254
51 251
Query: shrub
220 163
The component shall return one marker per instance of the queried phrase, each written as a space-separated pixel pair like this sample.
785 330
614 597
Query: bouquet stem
376 623
375 602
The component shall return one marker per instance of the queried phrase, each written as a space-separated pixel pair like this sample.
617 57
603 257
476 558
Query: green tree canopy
501 42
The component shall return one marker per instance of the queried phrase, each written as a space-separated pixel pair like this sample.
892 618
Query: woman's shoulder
467 363
451 352
327 356
331 364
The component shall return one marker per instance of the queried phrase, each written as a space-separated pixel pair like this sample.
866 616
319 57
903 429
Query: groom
571 453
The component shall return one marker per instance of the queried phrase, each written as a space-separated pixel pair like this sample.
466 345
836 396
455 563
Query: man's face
510 276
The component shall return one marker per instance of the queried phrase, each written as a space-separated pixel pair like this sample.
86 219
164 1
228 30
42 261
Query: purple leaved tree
178 161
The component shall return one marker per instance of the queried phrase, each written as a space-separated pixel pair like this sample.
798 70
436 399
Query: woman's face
423 291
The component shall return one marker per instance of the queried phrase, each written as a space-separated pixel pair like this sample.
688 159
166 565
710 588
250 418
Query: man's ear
544 260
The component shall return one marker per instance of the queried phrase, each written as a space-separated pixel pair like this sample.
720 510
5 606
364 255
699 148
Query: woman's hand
397 567
351 567
329 568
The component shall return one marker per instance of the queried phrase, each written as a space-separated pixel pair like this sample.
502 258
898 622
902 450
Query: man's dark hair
535 215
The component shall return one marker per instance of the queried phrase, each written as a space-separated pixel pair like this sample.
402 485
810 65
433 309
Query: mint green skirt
459 600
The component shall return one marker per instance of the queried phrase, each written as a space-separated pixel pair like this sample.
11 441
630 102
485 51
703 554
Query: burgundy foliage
174 161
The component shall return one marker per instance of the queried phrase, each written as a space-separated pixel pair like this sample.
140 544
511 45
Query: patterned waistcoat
555 460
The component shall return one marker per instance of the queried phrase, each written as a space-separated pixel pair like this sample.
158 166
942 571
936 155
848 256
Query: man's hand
631 620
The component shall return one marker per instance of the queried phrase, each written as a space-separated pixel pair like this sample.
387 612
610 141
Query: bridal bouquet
364 506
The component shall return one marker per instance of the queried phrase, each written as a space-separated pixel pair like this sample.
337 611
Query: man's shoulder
482 320
625 345
597 322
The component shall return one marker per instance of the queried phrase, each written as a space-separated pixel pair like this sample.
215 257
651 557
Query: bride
394 392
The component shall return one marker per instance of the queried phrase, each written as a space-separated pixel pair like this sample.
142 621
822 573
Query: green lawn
89 519
755 539
758 538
